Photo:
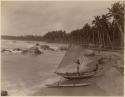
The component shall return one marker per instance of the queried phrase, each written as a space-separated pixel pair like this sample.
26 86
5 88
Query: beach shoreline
39 71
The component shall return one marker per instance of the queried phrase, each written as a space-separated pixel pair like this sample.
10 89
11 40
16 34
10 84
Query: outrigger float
65 85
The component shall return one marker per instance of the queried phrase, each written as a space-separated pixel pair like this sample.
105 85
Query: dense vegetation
106 29
26 37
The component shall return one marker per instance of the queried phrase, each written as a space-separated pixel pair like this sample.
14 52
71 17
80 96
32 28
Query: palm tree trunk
109 39
103 38
121 33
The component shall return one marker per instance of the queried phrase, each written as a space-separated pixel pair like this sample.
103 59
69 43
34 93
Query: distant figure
96 68
78 63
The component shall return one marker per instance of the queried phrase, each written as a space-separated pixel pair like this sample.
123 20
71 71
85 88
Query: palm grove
106 29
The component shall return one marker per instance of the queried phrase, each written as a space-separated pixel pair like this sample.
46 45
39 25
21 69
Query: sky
39 17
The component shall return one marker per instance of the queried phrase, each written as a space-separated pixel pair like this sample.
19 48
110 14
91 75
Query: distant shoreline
29 38
23 40
62 44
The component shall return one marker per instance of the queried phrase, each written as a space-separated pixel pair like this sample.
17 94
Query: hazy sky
31 17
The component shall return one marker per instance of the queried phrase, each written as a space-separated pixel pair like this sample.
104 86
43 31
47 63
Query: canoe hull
76 75
66 85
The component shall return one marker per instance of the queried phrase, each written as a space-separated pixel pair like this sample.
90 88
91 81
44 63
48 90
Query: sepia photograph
62 48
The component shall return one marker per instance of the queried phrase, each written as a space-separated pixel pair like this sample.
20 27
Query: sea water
23 72
26 74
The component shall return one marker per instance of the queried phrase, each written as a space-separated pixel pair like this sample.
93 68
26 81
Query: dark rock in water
24 51
51 49
4 93
5 50
37 51
37 44
45 47
17 49
32 50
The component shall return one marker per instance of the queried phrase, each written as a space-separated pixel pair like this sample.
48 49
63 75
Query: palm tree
117 12
87 33
102 30
97 25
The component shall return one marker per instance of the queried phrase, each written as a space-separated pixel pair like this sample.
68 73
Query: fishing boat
78 63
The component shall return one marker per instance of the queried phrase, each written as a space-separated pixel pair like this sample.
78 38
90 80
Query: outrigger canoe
66 85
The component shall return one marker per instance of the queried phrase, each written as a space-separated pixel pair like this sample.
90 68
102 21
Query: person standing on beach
78 64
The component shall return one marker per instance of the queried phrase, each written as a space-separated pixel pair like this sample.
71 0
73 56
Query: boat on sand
77 63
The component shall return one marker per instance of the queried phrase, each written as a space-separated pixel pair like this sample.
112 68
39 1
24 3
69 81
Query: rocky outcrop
46 47
5 50
33 50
